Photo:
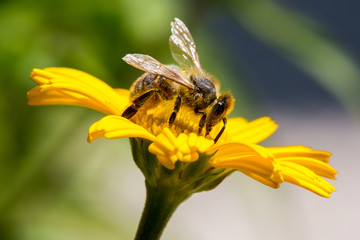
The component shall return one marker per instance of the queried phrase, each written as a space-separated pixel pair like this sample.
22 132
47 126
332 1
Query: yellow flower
179 147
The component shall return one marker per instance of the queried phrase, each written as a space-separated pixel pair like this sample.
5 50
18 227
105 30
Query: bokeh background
296 61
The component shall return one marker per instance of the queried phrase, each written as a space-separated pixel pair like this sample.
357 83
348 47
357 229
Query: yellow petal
169 139
124 93
243 157
304 167
165 144
300 151
168 148
183 144
192 140
203 144
307 175
315 160
117 127
166 161
165 147
69 86
298 165
318 167
268 181
158 150
239 130
47 96
305 178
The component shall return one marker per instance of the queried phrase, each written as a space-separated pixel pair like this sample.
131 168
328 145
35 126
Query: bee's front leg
221 131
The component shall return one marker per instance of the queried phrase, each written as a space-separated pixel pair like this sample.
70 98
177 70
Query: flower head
163 130
179 153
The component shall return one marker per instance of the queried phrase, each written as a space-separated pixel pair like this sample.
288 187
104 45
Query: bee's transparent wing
183 47
151 65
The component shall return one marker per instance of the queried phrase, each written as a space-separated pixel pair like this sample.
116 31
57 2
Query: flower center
155 117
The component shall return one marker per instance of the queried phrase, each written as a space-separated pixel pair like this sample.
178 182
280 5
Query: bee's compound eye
220 107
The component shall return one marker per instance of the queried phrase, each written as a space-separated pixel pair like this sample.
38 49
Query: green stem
161 202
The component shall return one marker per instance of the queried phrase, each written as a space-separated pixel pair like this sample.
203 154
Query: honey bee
188 84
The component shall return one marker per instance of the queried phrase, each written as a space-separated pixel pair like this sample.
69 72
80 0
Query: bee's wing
183 47
151 65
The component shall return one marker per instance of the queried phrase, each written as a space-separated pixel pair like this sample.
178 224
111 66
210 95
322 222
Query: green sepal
167 189
187 177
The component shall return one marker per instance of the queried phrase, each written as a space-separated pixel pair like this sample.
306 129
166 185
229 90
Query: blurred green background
296 61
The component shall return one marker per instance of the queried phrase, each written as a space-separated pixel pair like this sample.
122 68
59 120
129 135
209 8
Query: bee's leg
202 120
176 110
137 103
221 131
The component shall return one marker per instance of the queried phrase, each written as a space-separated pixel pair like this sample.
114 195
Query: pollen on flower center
155 118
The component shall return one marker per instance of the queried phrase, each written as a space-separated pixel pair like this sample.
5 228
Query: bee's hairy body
187 86
148 81
202 99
